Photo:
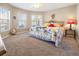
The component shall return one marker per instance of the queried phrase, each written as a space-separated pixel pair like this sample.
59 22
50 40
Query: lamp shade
71 21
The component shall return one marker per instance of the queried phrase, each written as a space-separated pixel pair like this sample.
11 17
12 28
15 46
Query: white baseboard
5 36
20 32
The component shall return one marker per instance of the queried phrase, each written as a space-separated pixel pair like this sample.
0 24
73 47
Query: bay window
37 20
4 20
21 23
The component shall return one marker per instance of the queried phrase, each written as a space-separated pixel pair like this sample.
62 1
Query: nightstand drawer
70 32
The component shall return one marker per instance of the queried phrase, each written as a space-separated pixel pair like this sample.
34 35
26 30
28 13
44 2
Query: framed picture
53 16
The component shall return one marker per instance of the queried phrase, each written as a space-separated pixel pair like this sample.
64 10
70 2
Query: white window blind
21 23
37 20
4 20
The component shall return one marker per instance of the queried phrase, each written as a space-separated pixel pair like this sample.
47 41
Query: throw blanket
2 47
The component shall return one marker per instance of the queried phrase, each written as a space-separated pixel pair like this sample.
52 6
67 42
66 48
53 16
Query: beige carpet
24 45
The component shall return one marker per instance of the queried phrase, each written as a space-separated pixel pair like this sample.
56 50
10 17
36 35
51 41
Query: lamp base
70 27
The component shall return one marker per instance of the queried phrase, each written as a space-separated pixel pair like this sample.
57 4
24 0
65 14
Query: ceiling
43 8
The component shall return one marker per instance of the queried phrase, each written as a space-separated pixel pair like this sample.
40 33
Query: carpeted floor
24 45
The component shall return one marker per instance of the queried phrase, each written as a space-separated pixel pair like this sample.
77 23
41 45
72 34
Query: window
4 20
37 20
21 20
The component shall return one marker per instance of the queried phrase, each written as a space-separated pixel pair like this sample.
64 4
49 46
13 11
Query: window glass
21 23
37 20
4 20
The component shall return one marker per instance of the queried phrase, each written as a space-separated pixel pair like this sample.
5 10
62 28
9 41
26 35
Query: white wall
62 13
65 13
13 22
78 20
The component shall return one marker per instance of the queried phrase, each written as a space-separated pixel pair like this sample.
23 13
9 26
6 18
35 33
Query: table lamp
71 21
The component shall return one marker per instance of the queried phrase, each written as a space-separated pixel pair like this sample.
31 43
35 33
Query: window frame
4 20
18 18
38 22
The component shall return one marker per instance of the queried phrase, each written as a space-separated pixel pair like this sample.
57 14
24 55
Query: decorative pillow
61 25
58 25
51 25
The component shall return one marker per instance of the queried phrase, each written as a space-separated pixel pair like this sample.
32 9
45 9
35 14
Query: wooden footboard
2 52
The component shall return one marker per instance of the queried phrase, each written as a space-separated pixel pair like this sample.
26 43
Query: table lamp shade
72 21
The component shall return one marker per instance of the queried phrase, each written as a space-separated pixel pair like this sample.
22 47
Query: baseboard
5 37
21 32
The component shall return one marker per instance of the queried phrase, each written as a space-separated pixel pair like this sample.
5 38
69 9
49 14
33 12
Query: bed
53 34
2 47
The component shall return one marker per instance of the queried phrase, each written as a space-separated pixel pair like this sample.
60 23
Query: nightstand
70 32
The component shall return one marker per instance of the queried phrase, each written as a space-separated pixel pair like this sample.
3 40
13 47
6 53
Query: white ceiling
45 6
